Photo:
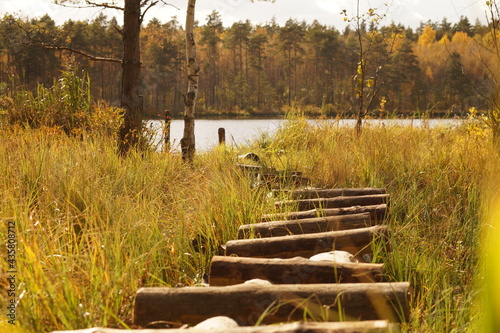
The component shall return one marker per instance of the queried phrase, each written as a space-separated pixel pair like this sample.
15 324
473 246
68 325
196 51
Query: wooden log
337 202
246 304
356 242
305 226
250 168
314 193
377 213
369 326
226 271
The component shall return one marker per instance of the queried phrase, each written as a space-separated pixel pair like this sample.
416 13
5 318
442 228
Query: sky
408 12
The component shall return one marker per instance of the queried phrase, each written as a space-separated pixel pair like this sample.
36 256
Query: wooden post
377 212
280 303
356 242
168 122
337 202
305 226
222 136
368 326
226 271
330 193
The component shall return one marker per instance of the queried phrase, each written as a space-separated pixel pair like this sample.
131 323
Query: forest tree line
440 68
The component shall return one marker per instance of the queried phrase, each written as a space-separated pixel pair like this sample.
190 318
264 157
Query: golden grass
93 227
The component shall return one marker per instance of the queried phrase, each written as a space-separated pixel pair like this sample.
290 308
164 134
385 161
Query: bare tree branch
31 42
149 6
87 55
152 4
104 5
89 4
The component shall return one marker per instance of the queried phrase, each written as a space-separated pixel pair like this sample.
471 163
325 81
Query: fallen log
337 202
313 193
370 326
226 271
356 242
274 303
305 226
377 213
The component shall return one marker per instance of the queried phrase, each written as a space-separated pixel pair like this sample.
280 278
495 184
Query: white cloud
27 7
332 6
408 12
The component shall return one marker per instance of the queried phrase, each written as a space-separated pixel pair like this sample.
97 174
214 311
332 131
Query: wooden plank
357 242
313 193
337 202
246 304
305 226
370 326
377 213
226 271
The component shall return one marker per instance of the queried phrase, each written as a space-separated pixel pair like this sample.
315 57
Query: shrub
66 105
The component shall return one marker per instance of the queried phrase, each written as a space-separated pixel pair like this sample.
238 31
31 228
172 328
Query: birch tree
188 139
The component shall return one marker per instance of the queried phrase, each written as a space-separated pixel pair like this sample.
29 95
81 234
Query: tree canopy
274 67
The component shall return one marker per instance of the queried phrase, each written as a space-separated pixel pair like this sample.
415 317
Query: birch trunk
188 140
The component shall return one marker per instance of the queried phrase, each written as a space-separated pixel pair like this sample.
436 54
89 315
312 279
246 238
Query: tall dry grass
94 227
440 182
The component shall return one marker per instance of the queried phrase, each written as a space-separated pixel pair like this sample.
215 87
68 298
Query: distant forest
437 69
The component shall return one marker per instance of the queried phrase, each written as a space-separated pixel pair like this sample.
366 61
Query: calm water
240 131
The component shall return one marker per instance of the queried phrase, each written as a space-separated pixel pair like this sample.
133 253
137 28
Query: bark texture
305 226
377 212
356 242
246 303
225 271
336 202
131 100
369 326
188 139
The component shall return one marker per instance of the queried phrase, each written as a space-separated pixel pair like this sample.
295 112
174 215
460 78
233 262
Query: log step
313 193
377 213
226 271
247 304
337 202
372 326
305 226
356 242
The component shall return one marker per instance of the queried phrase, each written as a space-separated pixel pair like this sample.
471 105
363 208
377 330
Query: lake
240 131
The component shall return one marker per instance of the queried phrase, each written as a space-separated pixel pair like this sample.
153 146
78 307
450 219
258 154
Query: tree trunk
305 226
313 193
226 271
246 303
369 326
188 140
356 241
131 100
377 212
337 202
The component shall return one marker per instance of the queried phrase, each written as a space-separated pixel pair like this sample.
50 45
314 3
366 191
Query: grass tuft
93 227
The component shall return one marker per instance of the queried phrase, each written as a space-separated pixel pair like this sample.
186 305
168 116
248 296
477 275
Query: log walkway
269 276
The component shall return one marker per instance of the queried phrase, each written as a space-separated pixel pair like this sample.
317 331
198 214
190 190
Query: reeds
66 106
94 227
439 180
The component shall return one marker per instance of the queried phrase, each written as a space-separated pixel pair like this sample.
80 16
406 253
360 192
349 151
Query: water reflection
241 131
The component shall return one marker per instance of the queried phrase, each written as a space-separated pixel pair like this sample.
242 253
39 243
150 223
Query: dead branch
87 55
